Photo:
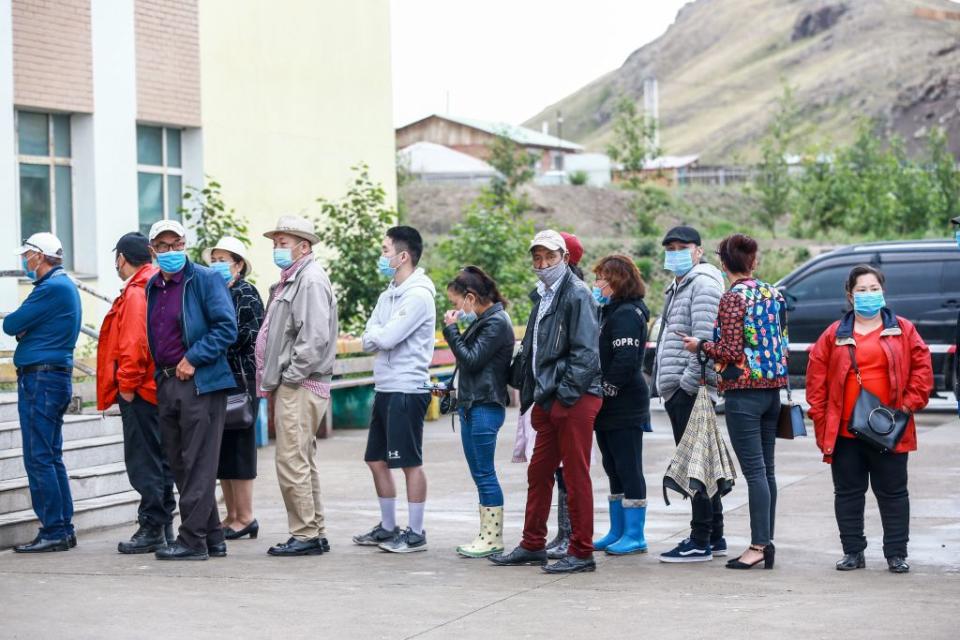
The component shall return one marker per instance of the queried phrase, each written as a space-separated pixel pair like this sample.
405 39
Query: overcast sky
506 60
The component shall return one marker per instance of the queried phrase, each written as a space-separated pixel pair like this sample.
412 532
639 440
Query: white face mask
549 275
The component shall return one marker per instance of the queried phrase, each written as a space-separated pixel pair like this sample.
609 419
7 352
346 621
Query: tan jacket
303 329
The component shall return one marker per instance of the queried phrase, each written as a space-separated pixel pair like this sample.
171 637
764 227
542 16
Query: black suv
922 285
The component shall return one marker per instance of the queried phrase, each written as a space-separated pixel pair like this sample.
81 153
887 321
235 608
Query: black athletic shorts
396 429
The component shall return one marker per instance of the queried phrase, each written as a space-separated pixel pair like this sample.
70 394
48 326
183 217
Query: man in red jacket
125 375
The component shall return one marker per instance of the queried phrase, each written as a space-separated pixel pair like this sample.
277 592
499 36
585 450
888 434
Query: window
821 286
159 175
912 278
46 178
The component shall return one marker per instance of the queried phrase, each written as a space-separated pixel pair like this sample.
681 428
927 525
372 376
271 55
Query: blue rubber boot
634 519
616 524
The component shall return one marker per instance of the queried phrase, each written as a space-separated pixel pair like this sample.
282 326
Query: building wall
294 94
52 57
168 62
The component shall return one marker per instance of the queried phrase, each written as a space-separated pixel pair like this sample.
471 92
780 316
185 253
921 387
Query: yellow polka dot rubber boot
490 538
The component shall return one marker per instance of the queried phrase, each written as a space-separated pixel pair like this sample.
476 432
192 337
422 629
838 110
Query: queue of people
188 350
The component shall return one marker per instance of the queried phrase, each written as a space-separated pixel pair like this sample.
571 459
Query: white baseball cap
231 244
161 226
43 242
550 239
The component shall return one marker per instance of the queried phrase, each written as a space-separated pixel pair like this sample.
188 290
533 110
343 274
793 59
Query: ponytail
475 280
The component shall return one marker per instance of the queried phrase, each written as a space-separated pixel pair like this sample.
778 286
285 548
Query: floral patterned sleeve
730 317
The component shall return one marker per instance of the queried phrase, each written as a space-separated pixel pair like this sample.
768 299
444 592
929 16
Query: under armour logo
393 455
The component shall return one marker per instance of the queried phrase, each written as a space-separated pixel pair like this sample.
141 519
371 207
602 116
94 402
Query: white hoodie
401 332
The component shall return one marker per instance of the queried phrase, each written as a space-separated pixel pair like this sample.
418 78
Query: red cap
574 248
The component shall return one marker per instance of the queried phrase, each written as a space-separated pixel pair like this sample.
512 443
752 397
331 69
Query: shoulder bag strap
853 361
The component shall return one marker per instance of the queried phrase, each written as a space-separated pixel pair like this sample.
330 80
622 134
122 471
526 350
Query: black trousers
191 426
622 456
147 467
706 524
854 464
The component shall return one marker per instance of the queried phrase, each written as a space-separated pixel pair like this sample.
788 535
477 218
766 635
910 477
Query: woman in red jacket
895 366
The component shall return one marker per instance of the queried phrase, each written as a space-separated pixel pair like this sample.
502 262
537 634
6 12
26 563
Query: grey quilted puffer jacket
690 307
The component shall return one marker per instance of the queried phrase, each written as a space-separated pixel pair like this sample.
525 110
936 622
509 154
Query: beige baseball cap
550 239
294 226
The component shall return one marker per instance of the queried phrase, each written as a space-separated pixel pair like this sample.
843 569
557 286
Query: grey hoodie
401 332
690 307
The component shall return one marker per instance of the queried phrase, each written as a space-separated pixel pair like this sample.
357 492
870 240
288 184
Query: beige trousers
297 416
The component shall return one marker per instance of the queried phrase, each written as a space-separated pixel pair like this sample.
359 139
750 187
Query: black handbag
875 423
240 408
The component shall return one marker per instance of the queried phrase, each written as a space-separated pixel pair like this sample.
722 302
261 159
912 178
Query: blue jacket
49 320
209 326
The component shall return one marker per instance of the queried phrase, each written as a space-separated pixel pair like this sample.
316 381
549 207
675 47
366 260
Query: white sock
416 516
388 513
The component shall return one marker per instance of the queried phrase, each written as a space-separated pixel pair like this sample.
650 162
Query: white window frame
164 170
52 161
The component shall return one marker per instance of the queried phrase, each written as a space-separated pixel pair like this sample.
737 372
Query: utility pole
651 107
560 140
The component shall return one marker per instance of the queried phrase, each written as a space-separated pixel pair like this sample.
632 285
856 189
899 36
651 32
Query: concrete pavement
357 592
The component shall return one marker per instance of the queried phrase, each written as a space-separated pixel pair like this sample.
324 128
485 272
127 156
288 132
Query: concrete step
8 406
77 454
19 527
75 427
85 483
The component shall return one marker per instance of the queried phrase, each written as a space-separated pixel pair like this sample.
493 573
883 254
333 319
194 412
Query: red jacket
910 370
123 357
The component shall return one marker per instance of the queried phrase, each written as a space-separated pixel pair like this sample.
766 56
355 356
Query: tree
353 228
634 141
515 167
773 180
204 211
946 178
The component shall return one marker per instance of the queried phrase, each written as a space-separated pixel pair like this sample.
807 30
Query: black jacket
249 307
623 338
483 355
568 360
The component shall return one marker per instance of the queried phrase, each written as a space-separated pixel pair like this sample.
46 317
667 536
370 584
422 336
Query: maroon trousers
564 435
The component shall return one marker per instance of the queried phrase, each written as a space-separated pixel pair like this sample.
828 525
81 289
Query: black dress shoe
169 533
146 539
217 550
177 551
44 545
294 547
897 564
252 530
72 540
520 557
325 545
571 564
851 561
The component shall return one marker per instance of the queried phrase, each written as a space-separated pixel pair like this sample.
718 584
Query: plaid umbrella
702 462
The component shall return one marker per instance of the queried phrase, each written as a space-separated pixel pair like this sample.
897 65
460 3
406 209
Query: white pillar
9 212
108 166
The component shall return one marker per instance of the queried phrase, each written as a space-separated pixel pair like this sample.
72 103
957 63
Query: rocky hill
720 68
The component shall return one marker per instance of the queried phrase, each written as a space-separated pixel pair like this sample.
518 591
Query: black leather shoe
252 530
178 551
44 545
897 564
294 547
520 557
169 533
851 561
325 545
218 550
147 539
571 564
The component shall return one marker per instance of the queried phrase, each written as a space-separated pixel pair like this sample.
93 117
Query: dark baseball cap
682 234
135 247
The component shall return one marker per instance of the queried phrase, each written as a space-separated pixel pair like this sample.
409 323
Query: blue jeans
478 430
42 399
752 416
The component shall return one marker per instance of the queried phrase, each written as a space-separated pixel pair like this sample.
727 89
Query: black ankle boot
851 561
557 548
147 539
897 564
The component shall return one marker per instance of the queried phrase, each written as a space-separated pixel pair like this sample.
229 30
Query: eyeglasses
163 247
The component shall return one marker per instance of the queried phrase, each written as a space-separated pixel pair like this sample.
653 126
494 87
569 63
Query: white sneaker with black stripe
406 542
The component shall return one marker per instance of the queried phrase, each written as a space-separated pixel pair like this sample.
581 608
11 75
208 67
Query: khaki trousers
297 415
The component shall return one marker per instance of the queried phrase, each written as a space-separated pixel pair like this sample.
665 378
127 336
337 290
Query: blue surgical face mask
24 261
467 317
680 261
383 266
283 257
172 261
867 304
599 297
223 268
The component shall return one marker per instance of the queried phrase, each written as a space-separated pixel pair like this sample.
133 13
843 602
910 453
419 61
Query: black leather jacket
568 357
483 355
